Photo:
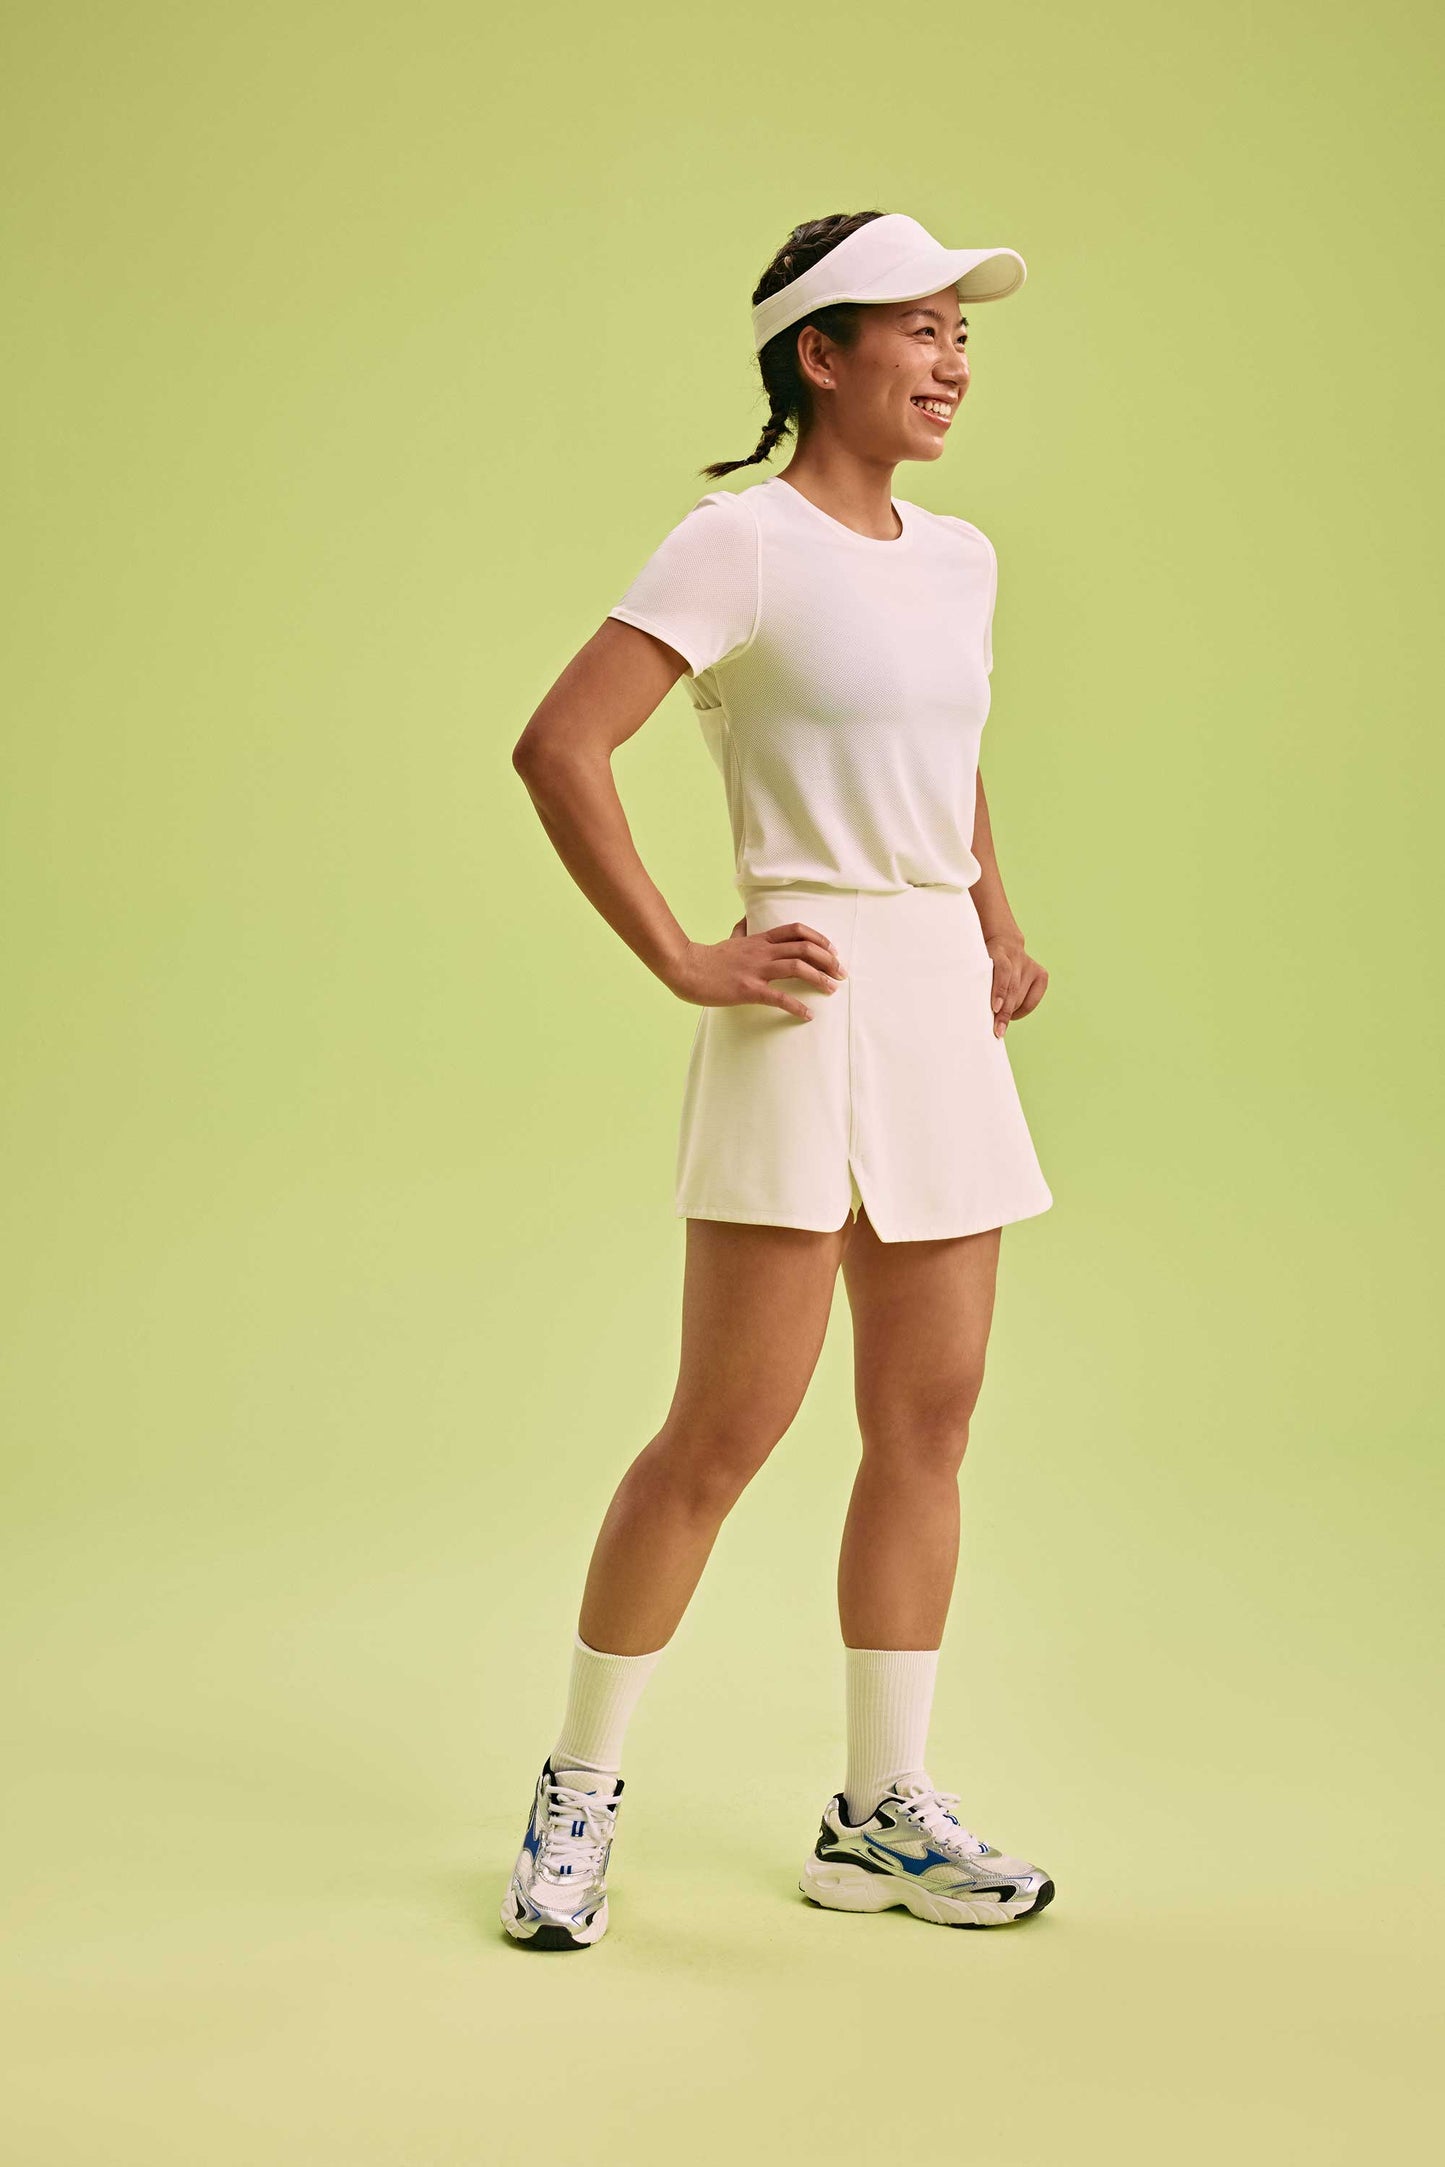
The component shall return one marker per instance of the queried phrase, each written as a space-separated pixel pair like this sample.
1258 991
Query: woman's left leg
921 1318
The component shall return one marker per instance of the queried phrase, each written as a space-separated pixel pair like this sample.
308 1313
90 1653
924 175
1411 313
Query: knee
921 1438
920 1455
702 1471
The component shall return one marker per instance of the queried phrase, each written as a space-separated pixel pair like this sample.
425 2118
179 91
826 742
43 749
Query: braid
778 423
789 399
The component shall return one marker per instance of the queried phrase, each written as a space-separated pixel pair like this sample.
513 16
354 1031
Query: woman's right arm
564 756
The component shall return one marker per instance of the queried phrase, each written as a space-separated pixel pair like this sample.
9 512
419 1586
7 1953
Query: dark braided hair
789 399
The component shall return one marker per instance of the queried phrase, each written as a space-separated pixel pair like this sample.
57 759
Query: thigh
755 1307
921 1312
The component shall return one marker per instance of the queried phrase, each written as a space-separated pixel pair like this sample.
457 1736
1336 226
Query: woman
848 1096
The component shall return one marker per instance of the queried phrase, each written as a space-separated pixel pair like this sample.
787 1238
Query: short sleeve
976 534
988 611
699 589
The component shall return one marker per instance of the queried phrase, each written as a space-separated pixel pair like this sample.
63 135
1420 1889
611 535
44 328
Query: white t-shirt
842 682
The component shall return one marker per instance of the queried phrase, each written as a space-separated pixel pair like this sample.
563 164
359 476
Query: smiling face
895 394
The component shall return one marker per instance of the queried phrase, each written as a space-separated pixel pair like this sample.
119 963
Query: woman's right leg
755 1307
754 1313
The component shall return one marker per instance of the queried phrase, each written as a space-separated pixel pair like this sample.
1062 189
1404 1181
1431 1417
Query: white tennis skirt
897 1095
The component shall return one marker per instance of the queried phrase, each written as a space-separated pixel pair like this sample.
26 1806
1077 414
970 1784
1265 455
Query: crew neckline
839 526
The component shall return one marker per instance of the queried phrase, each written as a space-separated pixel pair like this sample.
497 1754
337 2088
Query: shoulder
720 524
716 532
962 532
737 510
725 505
699 591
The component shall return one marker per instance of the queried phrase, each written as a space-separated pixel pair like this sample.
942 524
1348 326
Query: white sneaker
557 1898
913 1851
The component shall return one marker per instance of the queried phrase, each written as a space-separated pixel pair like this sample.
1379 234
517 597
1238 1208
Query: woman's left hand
1019 984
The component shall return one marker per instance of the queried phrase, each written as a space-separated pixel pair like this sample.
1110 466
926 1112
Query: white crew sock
890 1699
602 1692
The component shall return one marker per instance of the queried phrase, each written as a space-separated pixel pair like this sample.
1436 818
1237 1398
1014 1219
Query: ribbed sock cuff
889 1694
602 1692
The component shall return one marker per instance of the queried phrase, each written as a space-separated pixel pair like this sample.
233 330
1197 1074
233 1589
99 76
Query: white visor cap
892 258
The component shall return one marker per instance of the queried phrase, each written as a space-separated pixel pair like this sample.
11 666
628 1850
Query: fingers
795 931
998 994
770 993
1017 990
799 951
809 972
785 935
787 1001
814 950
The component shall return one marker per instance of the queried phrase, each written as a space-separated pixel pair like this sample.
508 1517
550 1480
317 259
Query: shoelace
577 1827
933 1810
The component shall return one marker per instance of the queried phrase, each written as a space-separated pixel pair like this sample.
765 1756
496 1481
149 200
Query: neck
854 490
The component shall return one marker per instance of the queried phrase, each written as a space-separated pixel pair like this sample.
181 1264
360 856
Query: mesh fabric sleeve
699 590
976 534
988 613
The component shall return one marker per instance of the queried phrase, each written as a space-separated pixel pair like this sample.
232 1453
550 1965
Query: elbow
543 766
528 755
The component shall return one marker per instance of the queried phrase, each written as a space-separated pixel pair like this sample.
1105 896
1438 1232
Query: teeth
934 406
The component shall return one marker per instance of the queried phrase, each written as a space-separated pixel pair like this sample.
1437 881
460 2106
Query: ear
815 356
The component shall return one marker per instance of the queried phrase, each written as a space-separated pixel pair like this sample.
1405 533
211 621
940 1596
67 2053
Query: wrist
674 966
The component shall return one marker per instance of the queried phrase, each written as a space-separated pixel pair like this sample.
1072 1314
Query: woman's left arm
1019 983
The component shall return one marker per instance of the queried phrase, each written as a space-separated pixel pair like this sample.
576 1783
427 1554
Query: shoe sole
853 1888
545 1935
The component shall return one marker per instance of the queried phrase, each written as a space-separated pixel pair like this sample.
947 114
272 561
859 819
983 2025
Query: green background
357 359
